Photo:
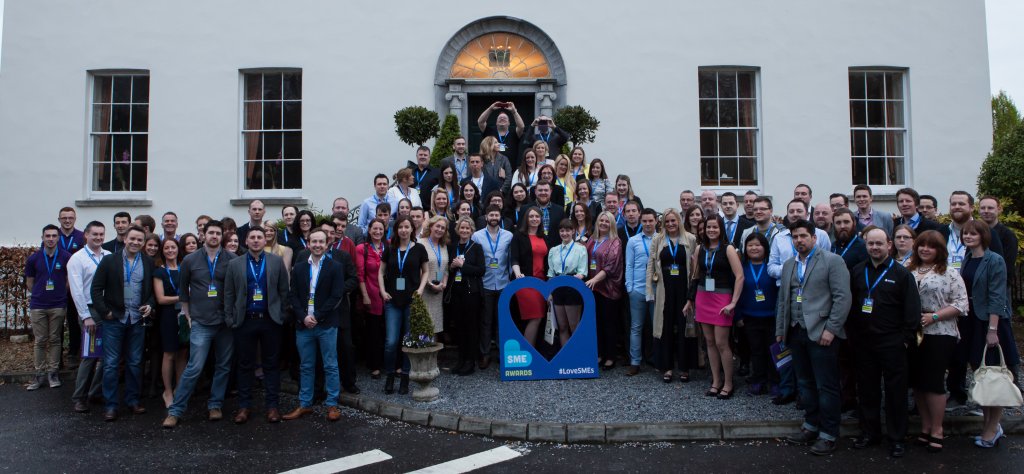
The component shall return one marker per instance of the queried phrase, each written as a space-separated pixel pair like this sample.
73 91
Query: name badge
956 263
501 146
494 263
709 284
311 300
593 264
257 295
674 270
799 295
49 285
438 277
758 296
867 306
56 265
458 276
212 291
400 284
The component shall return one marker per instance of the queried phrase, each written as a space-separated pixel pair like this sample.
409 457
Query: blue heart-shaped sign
521 361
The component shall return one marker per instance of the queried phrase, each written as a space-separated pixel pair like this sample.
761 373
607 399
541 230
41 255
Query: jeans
89 380
396 323
126 337
307 341
202 337
817 376
641 312
264 334
48 331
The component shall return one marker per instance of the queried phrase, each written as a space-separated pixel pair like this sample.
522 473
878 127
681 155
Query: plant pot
423 370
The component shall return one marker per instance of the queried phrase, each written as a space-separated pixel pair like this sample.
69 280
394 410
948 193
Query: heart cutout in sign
521 361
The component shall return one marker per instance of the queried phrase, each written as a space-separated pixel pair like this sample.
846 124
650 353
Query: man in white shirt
782 245
81 268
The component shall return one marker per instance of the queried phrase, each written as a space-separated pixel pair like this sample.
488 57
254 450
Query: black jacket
108 284
427 179
856 252
555 215
522 253
489 184
923 225
896 308
330 290
472 269
351 282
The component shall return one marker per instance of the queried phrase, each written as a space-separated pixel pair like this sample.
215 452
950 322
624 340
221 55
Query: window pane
271 115
272 178
292 115
727 113
253 146
252 174
707 85
747 143
876 113
858 143
272 146
748 113
122 89
747 171
860 171
726 85
709 171
253 116
138 178
875 89
101 89
101 118
858 113
292 86
122 148
876 171
292 145
894 85
745 81
140 148
121 177
101 148
894 114
856 85
708 143
708 113
876 143
895 168
140 118
101 174
253 86
894 144
728 171
292 175
727 145
140 90
271 87
120 118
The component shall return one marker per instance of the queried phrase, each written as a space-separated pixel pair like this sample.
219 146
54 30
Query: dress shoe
110 415
804 438
375 375
242 416
823 447
354 390
81 407
273 416
389 384
784 399
633 370
898 450
297 413
333 413
170 422
485 362
403 386
864 441
138 409
216 414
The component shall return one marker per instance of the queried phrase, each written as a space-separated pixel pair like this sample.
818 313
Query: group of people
861 299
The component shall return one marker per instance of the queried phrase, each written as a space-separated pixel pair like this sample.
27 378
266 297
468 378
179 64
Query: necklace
924 270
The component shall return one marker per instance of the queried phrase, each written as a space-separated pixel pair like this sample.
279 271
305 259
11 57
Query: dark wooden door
479 102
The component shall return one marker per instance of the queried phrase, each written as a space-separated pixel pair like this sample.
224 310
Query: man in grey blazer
255 288
866 215
814 302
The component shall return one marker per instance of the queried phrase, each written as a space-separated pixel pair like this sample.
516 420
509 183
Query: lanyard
52 266
378 252
673 247
212 266
94 260
757 275
903 261
303 242
730 229
546 137
582 233
461 170
401 258
501 138
314 278
871 287
404 194
419 177
170 279
437 253
626 227
128 270
252 268
598 245
800 265
451 197
566 254
285 233
577 171
458 249
643 240
847 248
493 244
709 262
954 239
70 241
532 177
561 183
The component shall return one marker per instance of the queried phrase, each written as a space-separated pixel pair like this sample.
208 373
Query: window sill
113 202
271 201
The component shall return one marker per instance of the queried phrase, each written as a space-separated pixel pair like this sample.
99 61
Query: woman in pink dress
368 255
529 254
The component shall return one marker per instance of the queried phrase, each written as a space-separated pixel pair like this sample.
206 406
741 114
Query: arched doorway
498 59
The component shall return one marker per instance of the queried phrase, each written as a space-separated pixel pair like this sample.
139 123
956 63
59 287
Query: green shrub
578 123
443 146
415 125
421 326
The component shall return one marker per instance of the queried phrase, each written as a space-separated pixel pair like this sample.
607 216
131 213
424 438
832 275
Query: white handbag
551 325
993 384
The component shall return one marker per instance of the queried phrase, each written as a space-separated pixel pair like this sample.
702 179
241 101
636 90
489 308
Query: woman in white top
403 189
527 172
569 258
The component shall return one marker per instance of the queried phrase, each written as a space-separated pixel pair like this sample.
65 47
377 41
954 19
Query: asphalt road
40 433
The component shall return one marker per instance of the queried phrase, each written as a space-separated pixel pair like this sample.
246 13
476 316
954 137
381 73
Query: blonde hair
567 180
613 233
679 217
425 233
485 148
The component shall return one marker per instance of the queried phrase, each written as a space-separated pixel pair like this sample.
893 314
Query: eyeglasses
903 237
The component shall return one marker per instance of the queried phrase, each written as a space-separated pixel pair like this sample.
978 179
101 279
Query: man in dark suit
255 292
907 200
317 287
735 224
551 214
256 212
814 302
484 183
122 295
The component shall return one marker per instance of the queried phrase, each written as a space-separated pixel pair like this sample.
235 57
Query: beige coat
656 289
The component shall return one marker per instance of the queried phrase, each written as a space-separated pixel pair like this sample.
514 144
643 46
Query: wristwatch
935 316
992 328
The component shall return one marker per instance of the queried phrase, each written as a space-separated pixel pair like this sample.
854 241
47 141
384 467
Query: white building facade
198 107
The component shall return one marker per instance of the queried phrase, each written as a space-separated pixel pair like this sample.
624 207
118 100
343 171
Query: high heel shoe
403 386
389 384
989 443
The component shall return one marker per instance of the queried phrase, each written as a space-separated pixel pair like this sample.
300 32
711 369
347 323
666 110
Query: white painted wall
362 60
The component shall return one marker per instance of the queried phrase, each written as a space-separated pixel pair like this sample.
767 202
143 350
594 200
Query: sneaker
976 411
953 404
35 384
54 380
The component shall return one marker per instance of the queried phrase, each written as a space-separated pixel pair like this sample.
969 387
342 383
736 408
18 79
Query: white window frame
90 162
244 193
885 189
740 190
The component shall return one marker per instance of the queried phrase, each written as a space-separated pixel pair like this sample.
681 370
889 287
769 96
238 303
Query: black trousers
466 309
956 379
878 365
607 325
674 349
263 336
74 326
760 334
373 342
740 344
346 358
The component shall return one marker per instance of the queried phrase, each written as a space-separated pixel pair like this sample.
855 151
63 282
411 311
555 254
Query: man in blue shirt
369 206
495 243
641 311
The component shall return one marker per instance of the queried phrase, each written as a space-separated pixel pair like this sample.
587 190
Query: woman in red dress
529 255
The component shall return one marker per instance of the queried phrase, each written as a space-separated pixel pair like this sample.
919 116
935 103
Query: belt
256 315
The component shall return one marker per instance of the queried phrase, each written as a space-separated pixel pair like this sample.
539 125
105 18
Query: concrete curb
26 377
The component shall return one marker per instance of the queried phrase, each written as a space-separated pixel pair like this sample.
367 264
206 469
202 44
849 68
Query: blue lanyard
598 245
493 244
709 259
582 233
212 266
50 267
97 262
419 177
451 198
458 249
252 268
437 253
877 281
954 239
129 270
626 228
170 279
757 275
800 266
577 171
285 233
303 242
501 138
847 248
730 229
673 247
532 177
401 258
460 170
71 240
903 261
403 193
643 240
566 254
561 183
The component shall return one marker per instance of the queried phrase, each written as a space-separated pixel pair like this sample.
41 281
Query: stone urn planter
423 370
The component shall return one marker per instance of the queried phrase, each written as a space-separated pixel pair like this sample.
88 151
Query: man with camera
544 129
508 140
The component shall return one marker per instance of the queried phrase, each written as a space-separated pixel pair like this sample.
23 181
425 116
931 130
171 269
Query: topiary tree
1002 172
443 146
421 326
415 125
578 123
